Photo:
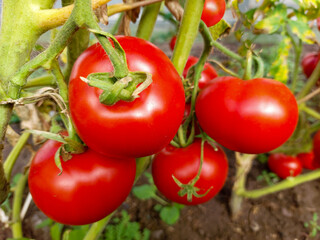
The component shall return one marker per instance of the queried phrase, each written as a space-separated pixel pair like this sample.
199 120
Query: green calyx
114 90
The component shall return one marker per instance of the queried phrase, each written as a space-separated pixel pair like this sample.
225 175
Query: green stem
284 184
115 27
15 152
141 165
295 73
97 228
227 52
42 81
63 88
248 69
148 20
187 33
243 166
17 202
311 82
310 111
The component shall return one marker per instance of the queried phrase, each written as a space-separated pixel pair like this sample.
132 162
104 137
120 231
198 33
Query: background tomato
90 187
183 163
309 63
213 11
253 116
308 160
318 23
284 166
207 74
316 146
173 42
131 129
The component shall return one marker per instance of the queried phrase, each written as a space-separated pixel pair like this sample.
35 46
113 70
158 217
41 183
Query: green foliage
313 226
219 29
123 229
269 177
169 214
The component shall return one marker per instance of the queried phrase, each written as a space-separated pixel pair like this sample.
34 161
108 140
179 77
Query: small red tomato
309 63
284 166
207 74
183 163
316 146
318 23
90 187
253 116
213 11
308 160
173 42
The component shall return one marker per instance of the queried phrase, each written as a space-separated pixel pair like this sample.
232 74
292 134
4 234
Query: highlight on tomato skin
284 165
90 187
261 114
183 163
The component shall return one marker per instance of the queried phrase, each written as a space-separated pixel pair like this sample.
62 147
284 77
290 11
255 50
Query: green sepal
57 159
48 135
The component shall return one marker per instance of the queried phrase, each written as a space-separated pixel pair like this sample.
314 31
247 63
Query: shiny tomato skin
183 163
284 166
309 63
173 42
213 11
253 116
90 187
129 129
207 74
308 160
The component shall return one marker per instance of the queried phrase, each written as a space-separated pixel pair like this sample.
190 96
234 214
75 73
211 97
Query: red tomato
90 187
183 163
213 11
284 166
207 74
309 63
316 146
318 23
253 116
173 42
308 160
130 129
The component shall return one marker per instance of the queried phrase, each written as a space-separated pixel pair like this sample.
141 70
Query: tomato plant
308 160
309 63
183 163
261 114
207 74
132 129
284 166
90 187
213 11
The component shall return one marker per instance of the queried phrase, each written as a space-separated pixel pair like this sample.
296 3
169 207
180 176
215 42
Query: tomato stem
284 184
148 20
310 111
97 228
11 159
248 69
17 203
187 33
243 166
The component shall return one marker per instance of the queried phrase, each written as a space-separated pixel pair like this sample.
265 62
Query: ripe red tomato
316 146
90 187
309 63
318 23
130 129
207 74
253 116
284 166
173 42
308 160
213 11
183 163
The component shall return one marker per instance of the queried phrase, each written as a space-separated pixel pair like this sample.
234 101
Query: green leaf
303 31
55 231
274 20
144 192
48 135
19 238
149 177
158 207
279 69
45 223
262 158
57 159
219 29
170 214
